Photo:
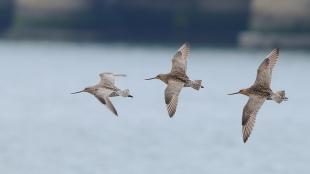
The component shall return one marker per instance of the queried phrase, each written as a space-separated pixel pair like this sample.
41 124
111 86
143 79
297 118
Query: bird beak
151 78
78 92
234 93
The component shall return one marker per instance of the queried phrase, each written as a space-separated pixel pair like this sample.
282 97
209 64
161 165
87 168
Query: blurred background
250 23
50 48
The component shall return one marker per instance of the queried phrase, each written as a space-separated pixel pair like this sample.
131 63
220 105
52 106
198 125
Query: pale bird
106 88
259 92
177 79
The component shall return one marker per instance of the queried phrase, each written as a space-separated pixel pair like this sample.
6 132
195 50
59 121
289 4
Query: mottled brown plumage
106 88
259 92
177 79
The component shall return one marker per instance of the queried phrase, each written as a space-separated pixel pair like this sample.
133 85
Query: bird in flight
259 92
106 88
177 78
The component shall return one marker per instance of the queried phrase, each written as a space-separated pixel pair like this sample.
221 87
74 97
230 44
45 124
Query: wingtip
277 50
245 139
186 43
171 114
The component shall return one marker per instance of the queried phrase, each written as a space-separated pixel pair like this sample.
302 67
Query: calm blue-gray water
45 130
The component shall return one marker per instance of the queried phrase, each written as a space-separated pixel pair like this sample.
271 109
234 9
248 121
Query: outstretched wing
179 61
108 79
171 95
103 96
264 72
249 115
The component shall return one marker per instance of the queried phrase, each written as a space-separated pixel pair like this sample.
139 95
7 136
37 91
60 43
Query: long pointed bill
234 93
78 92
151 78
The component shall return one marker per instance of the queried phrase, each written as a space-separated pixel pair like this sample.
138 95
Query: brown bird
106 88
259 92
177 79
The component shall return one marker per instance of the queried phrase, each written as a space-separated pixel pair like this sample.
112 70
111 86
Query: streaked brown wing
107 79
179 61
264 71
249 115
171 95
110 105
103 96
273 56
185 50
101 99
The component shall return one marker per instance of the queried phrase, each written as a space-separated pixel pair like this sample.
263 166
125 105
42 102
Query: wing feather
108 79
179 61
171 95
264 71
103 96
110 105
249 115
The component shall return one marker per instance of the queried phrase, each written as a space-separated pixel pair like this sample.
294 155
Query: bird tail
196 84
279 97
125 93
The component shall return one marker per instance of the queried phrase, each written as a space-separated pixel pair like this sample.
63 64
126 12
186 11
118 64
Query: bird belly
266 93
183 79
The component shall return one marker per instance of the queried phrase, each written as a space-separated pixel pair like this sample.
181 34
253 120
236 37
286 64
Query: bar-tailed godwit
259 92
106 88
177 79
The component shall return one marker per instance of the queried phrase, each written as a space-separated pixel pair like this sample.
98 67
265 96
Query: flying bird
177 78
259 92
105 89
